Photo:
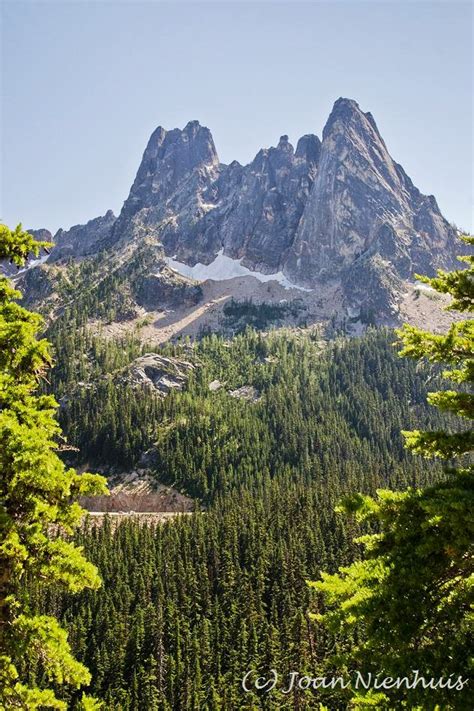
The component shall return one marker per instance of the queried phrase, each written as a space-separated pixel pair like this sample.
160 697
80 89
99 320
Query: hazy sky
85 83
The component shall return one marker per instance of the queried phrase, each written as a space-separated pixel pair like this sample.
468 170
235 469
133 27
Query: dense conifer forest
188 607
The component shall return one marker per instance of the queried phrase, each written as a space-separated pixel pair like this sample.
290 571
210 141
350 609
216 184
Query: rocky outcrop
82 240
337 210
138 492
157 373
36 285
246 392
261 204
172 191
196 206
372 287
165 289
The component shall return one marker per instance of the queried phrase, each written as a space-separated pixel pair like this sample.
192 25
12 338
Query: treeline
238 315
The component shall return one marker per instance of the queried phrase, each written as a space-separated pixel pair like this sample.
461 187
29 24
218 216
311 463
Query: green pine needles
38 496
407 605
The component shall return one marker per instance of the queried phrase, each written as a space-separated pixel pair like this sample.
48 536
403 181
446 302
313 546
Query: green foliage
458 284
322 407
408 603
37 494
16 245
188 607
238 315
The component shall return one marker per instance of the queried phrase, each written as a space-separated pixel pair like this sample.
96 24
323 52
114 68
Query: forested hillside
322 409
188 607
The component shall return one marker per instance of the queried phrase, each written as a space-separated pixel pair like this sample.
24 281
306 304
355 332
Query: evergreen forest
186 608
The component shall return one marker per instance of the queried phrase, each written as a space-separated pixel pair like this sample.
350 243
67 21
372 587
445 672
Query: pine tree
37 494
410 599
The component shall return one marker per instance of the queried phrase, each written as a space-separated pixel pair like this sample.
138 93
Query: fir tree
37 494
410 599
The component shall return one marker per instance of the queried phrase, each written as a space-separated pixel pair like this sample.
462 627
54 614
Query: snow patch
423 287
33 263
223 268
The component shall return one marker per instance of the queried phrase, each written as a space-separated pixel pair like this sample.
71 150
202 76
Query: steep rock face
372 287
165 289
36 285
341 211
82 240
316 213
172 190
261 204
363 204
158 373
195 206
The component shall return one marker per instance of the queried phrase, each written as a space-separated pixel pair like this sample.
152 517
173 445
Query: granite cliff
337 211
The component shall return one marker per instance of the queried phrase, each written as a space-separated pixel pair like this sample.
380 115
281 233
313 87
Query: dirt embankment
138 493
116 518
164 500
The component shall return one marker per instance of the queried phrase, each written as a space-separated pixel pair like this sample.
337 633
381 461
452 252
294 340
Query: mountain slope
336 217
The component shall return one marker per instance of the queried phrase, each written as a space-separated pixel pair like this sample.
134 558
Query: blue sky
85 83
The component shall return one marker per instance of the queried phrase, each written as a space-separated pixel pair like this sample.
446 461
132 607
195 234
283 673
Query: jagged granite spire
176 167
195 206
341 209
362 204
266 203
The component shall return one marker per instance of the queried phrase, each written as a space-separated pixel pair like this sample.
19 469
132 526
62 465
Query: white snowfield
422 286
223 268
33 263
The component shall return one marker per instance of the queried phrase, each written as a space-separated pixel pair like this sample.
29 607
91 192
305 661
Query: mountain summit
311 213
363 205
339 212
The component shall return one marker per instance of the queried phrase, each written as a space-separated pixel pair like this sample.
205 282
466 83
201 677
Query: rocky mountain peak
81 240
284 144
339 211
364 216
344 106
346 113
177 166
308 148
177 152
193 127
